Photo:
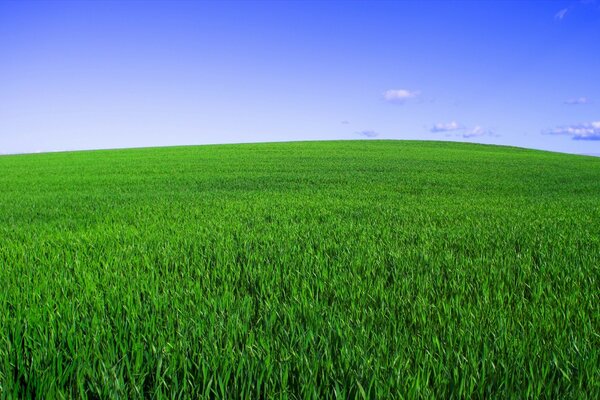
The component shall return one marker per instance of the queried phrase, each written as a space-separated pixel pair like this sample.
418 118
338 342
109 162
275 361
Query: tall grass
367 269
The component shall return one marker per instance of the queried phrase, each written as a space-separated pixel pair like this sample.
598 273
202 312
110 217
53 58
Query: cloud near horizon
447 127
400 95
368 133
479 131
453 126
584 131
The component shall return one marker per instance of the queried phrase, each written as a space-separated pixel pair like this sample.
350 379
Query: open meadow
348 269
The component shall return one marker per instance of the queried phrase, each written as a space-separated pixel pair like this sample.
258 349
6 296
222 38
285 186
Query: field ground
359 269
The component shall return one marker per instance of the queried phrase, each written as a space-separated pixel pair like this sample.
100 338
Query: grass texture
353 269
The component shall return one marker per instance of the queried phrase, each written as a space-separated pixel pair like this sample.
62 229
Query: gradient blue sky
86 75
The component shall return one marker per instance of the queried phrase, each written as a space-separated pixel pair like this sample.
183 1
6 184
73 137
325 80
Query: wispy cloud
447 127
561 14
577 101
462 131
345 122
584 131
478 131
368 133
589 4
400 95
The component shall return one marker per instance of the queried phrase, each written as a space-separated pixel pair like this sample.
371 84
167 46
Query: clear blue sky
95 74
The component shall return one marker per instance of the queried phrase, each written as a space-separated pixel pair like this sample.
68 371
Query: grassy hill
355 269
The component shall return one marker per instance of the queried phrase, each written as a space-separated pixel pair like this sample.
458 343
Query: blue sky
86 75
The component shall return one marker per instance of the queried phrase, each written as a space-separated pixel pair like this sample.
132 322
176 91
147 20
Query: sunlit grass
368 269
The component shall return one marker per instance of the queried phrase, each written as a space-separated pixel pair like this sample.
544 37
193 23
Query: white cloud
478 131
577 5
462 131
400 95
447 127
584 131
579 100
561 14
369 134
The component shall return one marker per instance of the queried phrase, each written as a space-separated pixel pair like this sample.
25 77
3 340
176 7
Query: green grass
359 269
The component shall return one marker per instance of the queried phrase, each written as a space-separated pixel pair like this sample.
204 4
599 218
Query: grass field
358 269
